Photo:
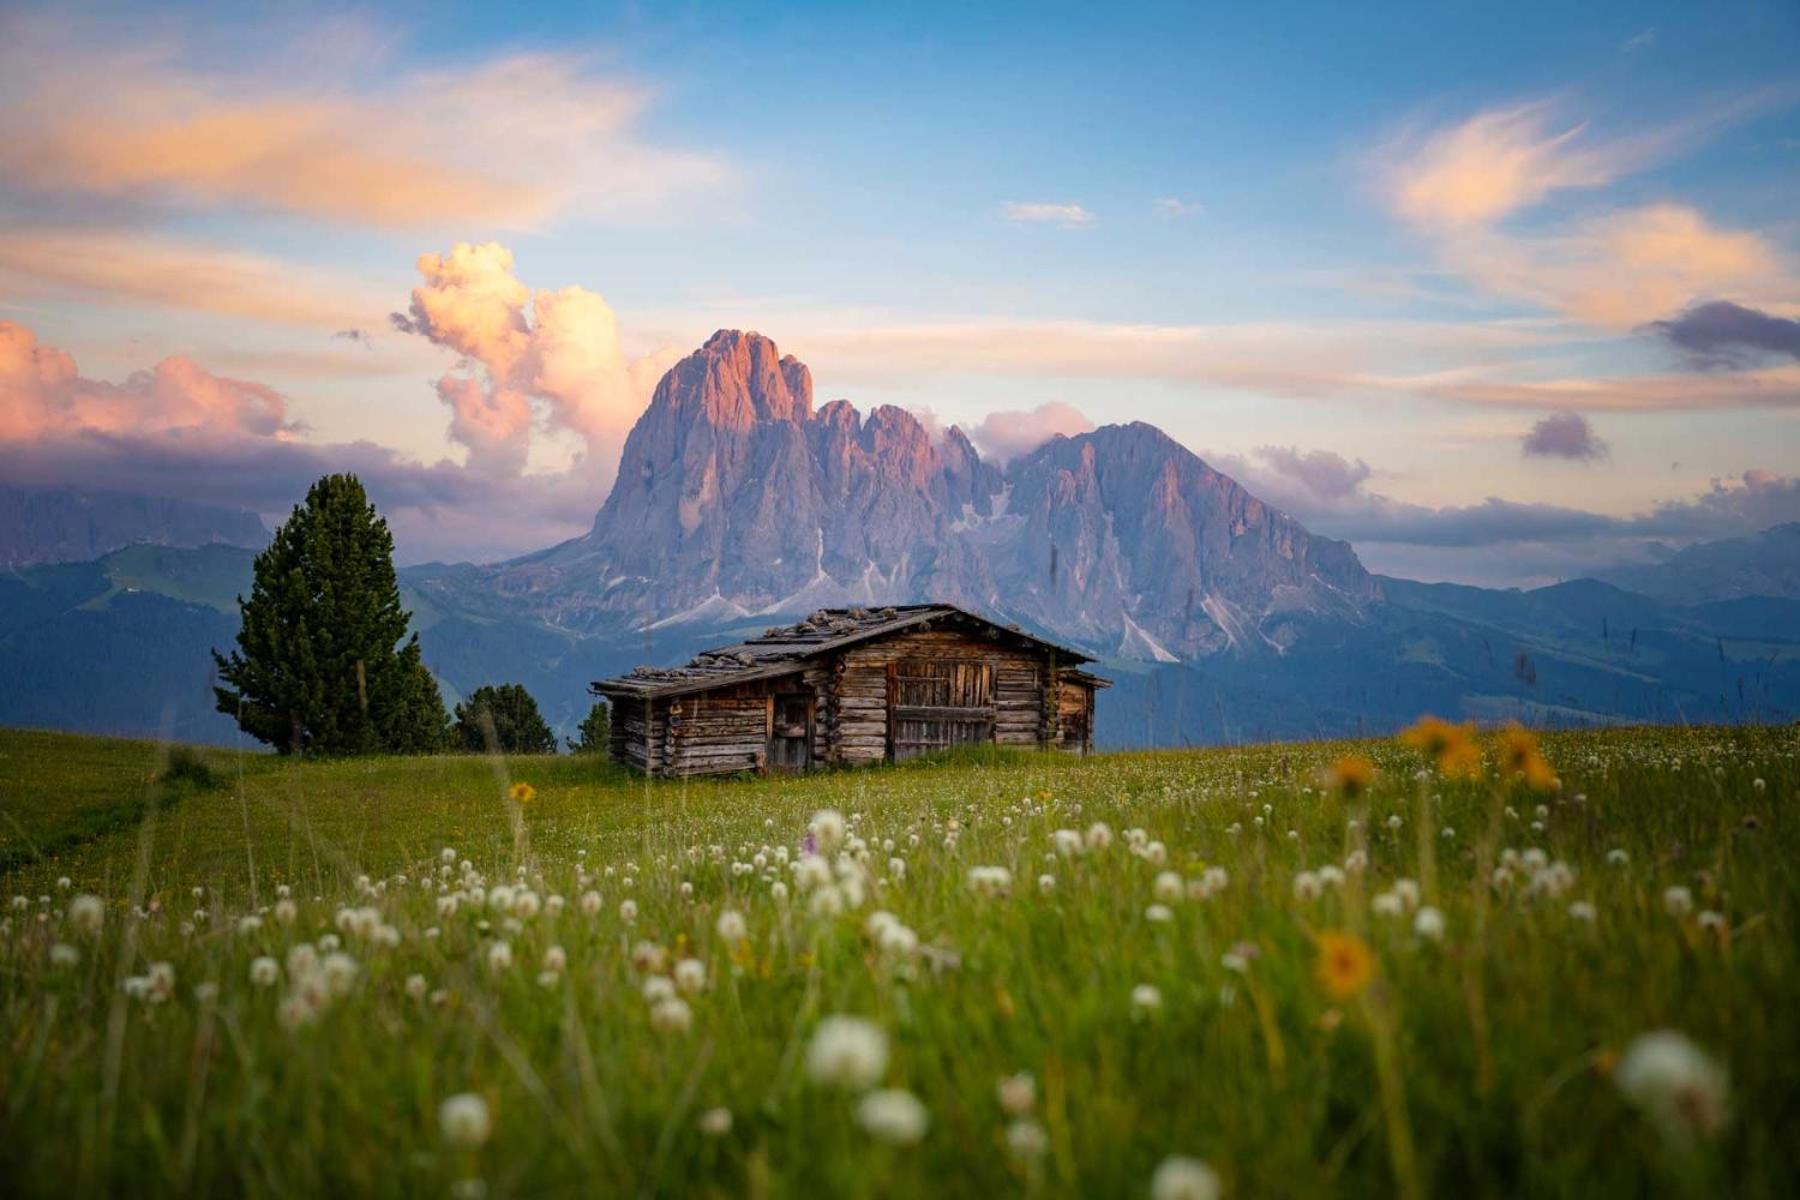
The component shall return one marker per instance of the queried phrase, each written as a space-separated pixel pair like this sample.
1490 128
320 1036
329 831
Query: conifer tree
595 731
503 719
324 664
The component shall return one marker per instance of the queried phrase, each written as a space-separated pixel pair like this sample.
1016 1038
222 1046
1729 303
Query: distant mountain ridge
1765 564
70 524
736 499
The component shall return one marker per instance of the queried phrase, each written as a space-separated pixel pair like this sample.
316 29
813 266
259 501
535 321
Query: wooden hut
849 686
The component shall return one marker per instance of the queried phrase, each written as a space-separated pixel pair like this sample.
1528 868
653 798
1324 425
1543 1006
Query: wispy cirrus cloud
1460 184
509 142
1037 212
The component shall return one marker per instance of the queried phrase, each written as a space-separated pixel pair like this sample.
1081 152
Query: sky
1500 296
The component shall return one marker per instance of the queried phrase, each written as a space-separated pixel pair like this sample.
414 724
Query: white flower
1179 1178
1617 857
628 911
415 986
893 1115
286 910
264 971
499 957
1068 842
1678 901
671 1015
161 982
590 903
847 1052
827 827
690 975
1099 835
656 989
338 971
1017 1093
249 924
87 913
1712 922
1582 910
1145 999
1307 886
1678 1084
715 1122
556 959
64 955
1386 904
989 881
1168 887
1429 924
1027 1139
465 1121
1159 914
731 926
1046 883
1408 891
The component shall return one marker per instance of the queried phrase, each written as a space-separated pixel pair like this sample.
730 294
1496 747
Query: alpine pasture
1455 965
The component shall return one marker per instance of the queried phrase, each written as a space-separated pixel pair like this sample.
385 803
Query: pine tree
320 665
503 719
595 731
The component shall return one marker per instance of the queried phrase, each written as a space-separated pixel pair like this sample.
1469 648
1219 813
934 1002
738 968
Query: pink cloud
521 351
1007 435
42 393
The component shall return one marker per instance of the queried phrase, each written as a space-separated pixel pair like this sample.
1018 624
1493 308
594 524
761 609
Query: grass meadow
1366 969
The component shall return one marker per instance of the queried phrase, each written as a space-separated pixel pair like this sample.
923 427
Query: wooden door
936 703
790 732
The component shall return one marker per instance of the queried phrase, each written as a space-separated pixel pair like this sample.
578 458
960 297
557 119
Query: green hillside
1433 986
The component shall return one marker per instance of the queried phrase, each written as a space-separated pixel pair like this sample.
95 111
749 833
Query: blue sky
1354 255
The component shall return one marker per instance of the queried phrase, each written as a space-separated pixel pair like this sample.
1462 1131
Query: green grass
1485 1059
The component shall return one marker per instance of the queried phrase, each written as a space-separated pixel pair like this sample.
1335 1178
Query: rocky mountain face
50 525
735 498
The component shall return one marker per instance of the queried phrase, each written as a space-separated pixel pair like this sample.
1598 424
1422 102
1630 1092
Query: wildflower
1145 1000
1675 1082
87 913
1179 1178
690 975
1307 886
556 959
499 957
847 1052
1712 922
521 793
1408 892
1429 924
1046 883
264 971
671 1015
465 1121
1027 1139
1582 910
415 986
1345 964
1678 901
590 903
990 881
1351 775
1617 858
338 972
285 911
1386 904
1099 836
628 911
1068 842
1451 748
893 1115
731 926
1017 1093
1520 760
64 955
827 829
715 1122
161 977
249 924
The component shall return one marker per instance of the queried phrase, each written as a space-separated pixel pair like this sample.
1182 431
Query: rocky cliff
736 499
64 524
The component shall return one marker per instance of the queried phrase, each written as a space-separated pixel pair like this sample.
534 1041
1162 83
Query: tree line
325 665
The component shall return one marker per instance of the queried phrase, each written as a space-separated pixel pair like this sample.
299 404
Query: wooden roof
786 648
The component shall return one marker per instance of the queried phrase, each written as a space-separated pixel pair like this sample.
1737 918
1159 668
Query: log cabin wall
726 729
864 692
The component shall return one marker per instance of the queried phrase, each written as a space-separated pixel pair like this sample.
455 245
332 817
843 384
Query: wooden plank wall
861 727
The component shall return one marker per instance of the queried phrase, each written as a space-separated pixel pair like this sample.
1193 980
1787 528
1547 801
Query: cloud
1639 41
1617 269
1496 163
1170 206
42 394
1723 334
1563 435
1004 436
1325 474
1069 216
519 348
179 430
115 266
358 336
512 141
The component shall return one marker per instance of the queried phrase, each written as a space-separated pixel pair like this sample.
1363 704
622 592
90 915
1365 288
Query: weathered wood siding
723 730
1075 716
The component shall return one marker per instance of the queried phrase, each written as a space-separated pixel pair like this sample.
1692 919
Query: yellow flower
1520 760
521 793
1345 964
1451 747
1351 775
